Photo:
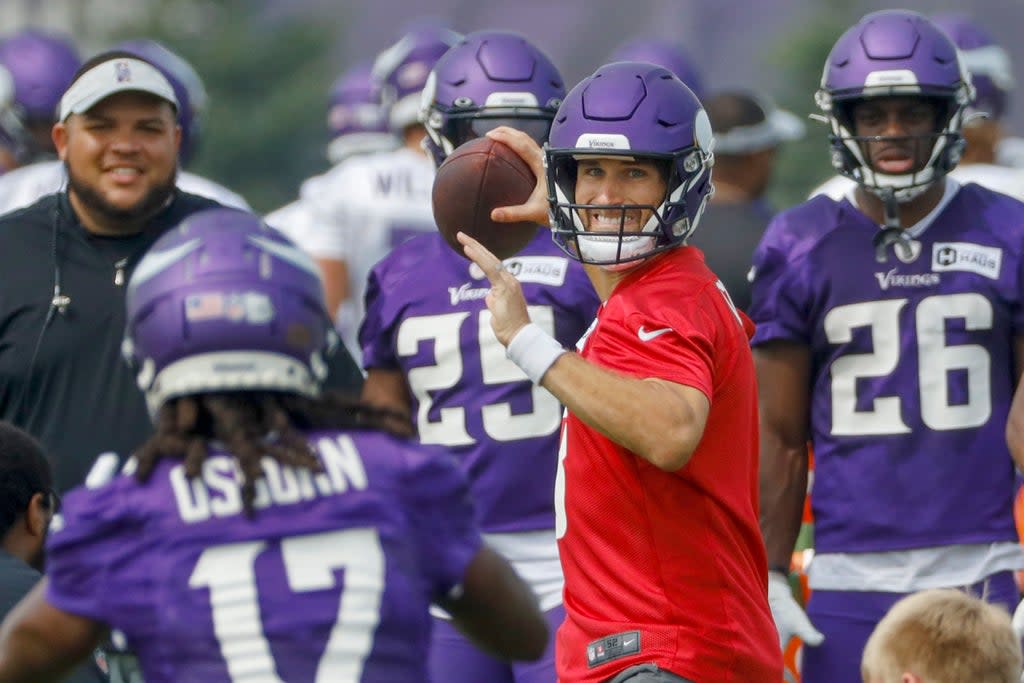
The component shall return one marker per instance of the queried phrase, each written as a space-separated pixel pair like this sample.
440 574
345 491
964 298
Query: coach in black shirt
64 262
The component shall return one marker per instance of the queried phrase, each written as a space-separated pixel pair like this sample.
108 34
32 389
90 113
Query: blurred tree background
268 64
267 75
267 79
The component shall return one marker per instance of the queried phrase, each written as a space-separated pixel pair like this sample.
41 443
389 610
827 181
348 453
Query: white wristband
534 351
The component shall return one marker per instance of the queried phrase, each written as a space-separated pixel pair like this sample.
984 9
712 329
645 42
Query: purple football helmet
895 53
224 302
356 119
635 110
988 63
35 70
489 79
188 89
403 68
663 53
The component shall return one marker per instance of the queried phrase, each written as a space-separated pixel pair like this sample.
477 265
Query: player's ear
59 135
37 515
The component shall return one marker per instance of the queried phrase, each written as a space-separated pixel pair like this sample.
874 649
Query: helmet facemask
940 149
895 53
669 224
447 128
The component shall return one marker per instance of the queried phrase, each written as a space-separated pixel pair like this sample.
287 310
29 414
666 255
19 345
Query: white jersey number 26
936 359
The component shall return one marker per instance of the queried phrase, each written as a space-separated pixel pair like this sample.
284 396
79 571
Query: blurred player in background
370 204
430 353
667 53
357 124
357 121
26 508
889 333
28 503
36 68
992 77
748 132
656 491
263 531
26 185
984 158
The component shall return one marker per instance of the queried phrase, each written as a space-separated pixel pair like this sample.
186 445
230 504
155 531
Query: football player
889 334
27 184
357 123
984 161
371 203
430 353
656 490
264 531
36 68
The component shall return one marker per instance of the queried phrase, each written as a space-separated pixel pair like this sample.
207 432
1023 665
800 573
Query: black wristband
779 568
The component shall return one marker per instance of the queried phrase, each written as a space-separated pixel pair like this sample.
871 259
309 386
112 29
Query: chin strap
891 233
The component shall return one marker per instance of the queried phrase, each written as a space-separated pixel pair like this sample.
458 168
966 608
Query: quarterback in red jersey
656 496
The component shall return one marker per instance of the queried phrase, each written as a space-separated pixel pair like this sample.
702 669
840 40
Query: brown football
479 176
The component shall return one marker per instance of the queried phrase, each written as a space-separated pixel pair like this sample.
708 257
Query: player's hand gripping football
790 619
505 300
535 210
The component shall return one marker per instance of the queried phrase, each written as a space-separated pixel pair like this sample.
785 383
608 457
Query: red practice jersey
662 567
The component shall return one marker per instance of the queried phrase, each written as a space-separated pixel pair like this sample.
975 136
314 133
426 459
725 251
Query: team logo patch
965 256
612 647
891 278
122 72
466 293
541 270
412 74
609 141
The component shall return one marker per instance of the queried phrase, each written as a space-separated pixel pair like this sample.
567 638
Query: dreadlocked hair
254 425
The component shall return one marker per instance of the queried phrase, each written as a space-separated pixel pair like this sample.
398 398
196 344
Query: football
478 176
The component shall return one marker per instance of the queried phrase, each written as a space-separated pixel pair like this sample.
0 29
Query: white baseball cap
776 126
118 74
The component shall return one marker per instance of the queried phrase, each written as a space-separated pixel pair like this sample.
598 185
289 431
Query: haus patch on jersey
973 258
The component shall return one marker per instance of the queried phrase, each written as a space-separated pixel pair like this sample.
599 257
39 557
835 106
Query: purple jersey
426 316
912 366
329 581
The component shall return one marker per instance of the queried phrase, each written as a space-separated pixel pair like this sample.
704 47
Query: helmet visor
462 129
